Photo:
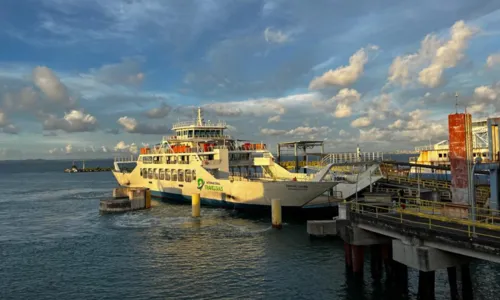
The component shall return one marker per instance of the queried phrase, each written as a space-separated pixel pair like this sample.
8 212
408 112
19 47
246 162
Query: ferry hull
231 194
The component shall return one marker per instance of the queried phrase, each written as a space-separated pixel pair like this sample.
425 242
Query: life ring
206 162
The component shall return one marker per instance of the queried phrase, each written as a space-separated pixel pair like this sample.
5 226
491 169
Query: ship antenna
199 121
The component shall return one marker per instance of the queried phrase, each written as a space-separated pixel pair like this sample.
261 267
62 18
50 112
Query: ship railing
125 159
245 176
351 157
212 136
195 124
200 150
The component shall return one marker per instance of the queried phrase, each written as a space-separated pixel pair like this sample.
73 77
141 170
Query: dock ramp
347 188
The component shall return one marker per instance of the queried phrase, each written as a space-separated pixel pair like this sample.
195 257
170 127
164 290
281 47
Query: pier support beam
358 259
195 205
426 285
376 261
276 213
467 293
424 258
452 280
348 255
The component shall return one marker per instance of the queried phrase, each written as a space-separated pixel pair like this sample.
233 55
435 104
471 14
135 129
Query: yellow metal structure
482 192
276 213
431 214
195 205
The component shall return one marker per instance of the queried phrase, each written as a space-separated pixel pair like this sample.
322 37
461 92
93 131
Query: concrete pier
126 199
322 228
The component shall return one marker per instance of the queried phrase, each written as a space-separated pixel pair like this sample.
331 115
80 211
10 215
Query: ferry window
445 155
193 174
174 175
162 174
181 175
156 173
190 133
144 173
484 154
440 154
150 173
474 155
167 174
188 176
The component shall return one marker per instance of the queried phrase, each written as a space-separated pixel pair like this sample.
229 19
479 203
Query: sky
93 79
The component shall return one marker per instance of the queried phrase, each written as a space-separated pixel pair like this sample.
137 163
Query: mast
199 120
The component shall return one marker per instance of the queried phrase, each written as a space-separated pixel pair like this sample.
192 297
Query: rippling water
55 245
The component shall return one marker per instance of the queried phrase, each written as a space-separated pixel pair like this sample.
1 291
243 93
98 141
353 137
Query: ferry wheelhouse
201 158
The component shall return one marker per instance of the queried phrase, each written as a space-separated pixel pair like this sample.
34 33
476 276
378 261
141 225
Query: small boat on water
201 158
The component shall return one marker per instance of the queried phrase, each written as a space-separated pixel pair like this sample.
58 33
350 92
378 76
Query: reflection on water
55 245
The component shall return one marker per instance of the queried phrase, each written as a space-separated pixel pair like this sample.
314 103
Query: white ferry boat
201 158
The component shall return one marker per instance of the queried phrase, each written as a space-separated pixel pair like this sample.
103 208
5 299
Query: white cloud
437 54
74 121
263 106
403 68
5 125
275 36
126 72
398 124
493 60
51 86
448 55
159 112
343 133
131 125
274 119
272 132
344 75
309 131
300 131
342 102
361 122
124 147
485 92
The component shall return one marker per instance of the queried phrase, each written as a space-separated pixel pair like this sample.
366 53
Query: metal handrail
422 211
400 214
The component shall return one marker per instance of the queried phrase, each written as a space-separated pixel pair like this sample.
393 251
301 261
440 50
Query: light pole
478 160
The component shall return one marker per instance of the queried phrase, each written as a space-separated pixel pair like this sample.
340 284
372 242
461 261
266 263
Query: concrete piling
126 199
195 205
276 213
358 259
348 255
376 261
466 282
452 280
426 283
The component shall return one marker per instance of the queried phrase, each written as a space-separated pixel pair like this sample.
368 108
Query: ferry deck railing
195 124
351 157
200 150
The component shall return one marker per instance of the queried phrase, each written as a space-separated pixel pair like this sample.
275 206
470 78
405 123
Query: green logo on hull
210 186
201 183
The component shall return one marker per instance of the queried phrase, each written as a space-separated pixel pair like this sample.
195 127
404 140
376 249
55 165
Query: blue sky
88 78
